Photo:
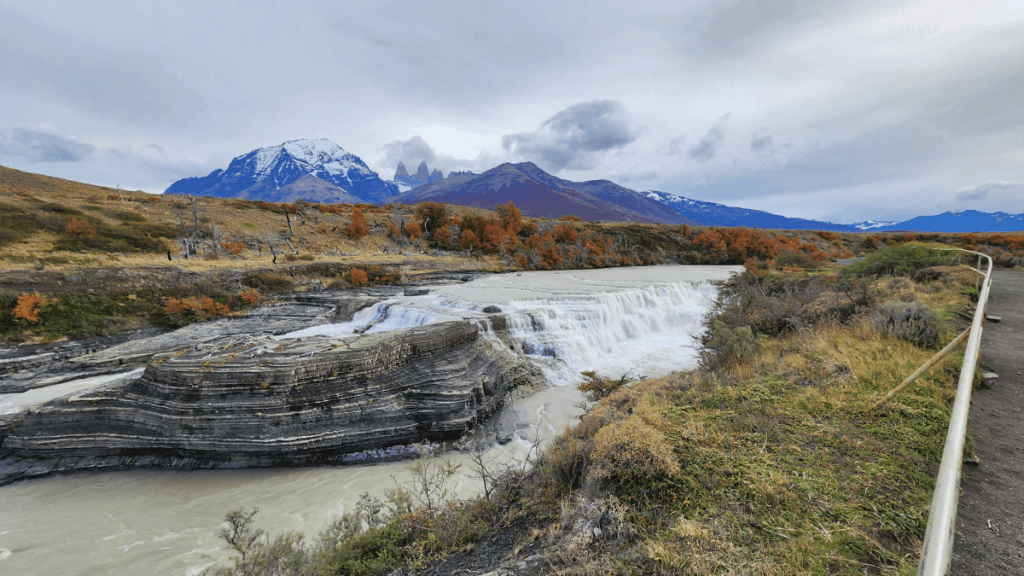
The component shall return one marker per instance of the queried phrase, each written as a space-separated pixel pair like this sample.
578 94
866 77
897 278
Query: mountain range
321 171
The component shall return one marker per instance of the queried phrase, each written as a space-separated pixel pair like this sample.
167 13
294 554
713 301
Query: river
638 320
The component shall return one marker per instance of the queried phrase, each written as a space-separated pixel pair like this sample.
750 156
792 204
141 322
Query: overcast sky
868 110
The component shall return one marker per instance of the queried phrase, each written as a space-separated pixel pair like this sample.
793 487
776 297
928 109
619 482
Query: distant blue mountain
960 221
317 170
711 214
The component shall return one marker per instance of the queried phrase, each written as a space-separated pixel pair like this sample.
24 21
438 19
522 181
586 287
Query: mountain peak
423 175
278 167
422 172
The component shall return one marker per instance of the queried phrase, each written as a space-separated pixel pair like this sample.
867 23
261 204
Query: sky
826 110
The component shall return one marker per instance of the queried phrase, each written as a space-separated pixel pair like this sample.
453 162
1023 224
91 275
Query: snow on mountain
873 225
712 214
961 221
259 174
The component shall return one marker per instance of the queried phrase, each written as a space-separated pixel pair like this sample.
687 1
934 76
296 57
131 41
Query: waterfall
640 321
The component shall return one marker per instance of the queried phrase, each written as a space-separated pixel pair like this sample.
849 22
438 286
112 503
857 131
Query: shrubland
768 458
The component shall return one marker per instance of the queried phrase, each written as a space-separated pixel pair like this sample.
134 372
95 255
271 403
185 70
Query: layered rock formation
245 400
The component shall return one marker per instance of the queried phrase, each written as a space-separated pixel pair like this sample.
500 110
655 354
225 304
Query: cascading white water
167 522
567 322
646 331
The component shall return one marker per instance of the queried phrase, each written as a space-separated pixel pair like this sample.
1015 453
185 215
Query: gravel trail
990 518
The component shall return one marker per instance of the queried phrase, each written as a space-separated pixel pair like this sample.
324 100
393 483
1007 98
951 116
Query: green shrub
16 225
794 259
268 282
129 216
724 345
897 260
910 321
128 237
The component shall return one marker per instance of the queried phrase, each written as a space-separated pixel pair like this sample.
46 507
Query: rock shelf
244 399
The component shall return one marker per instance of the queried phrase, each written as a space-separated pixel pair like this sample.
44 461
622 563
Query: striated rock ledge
243 401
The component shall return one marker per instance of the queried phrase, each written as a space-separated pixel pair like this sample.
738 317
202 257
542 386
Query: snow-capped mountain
712 214
290 171
959 221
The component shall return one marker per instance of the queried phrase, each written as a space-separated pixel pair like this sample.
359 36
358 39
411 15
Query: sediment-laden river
638 320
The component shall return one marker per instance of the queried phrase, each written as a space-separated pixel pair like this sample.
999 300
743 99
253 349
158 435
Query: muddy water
168 522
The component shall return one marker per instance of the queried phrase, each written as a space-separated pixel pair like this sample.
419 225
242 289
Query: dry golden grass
315 237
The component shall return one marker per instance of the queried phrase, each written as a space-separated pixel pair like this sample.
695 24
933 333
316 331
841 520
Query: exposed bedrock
245 400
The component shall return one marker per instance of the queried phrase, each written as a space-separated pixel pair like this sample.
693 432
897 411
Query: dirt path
990 518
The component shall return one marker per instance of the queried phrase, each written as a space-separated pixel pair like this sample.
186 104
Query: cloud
980 192
762 144
574 137
410 152
673 146
36 146
708 146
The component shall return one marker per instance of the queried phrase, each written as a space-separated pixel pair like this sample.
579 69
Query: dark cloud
573 137
410 152
38 146
708 146
761 144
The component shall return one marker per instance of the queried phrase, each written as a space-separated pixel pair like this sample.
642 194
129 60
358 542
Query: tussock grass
780 466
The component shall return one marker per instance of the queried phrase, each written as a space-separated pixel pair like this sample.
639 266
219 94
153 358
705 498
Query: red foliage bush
357 228
412 229
234 248
79 228
357 276
250 297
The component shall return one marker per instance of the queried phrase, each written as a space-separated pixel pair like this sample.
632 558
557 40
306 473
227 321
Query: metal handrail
937 551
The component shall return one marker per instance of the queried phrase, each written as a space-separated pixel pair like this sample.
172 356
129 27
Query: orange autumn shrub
393 231
79 228
357 228
234 248
28 307
358 276
212 307
250 297
412 229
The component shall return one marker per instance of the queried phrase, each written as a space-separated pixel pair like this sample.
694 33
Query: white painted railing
937 550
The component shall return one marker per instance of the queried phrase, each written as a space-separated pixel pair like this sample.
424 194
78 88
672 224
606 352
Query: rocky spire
436 175
423 173
401 172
